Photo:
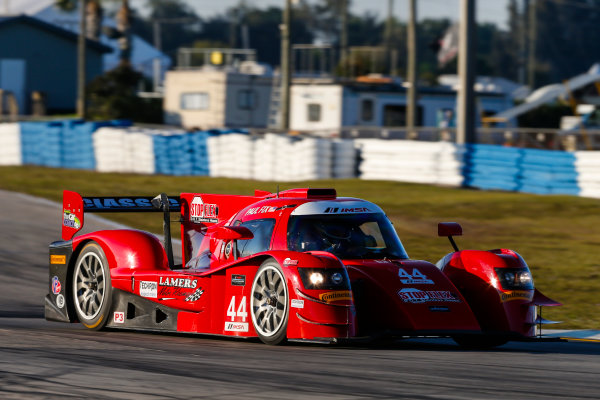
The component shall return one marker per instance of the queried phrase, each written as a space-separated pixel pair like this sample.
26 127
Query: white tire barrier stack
124 150
307 159
231 155
411 161
587 164
344 159
10 144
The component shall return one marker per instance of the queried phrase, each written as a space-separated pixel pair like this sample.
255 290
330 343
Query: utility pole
285 66
532 44
388 33
411 99
523 17
344 36
465 132
81 64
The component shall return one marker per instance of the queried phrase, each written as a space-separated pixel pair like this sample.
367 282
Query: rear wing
75 206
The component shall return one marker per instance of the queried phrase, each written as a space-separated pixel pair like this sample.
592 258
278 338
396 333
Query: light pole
465 127
411 110
81 64
285 66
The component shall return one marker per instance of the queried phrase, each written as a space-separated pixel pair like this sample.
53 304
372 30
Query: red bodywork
210 292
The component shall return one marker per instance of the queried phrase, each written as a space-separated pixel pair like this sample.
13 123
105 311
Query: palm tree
94 12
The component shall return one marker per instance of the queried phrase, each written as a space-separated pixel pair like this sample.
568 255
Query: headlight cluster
514 278
321 278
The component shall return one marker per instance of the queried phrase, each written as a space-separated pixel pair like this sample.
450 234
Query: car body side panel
407 296
496 309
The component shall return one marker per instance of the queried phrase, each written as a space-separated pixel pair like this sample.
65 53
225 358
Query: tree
94 14
113 96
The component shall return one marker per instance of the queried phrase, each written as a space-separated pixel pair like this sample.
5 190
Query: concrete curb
583 334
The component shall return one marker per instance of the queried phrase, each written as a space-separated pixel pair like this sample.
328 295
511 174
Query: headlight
316 278
514 278
321 278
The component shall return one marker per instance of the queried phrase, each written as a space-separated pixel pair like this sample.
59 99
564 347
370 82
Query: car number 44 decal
235 314
417 277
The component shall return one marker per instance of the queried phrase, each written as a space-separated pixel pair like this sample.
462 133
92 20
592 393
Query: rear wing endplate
74 207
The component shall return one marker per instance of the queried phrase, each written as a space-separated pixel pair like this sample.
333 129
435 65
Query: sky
494 11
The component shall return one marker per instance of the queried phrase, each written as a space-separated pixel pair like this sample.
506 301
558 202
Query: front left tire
91 286
269 303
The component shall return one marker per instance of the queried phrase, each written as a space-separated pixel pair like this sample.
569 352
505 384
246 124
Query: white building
327 105
211 98
215 98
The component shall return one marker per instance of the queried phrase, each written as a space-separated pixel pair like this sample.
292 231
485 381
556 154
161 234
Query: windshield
364 236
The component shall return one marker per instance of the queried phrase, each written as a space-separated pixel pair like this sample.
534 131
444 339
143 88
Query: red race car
298 265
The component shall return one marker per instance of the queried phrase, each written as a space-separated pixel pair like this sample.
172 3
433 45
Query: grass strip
559 236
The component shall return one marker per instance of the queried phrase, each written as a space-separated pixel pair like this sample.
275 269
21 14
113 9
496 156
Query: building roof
53 29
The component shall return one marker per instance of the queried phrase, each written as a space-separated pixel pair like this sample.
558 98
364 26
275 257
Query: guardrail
537 138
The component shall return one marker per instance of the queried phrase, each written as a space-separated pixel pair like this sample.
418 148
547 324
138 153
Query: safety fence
116 146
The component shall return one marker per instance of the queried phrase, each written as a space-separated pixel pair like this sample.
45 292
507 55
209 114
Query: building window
395 115
366 113
247 99
314 112
194 101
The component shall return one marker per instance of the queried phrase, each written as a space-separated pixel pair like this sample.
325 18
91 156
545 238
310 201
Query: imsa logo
236 326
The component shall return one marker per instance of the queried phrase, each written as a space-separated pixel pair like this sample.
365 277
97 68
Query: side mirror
232 233
450 229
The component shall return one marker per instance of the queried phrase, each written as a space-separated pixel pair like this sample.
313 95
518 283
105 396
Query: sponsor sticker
288 261
338 210
178 282
439 309
236 326
336 296
202 212
414 278
56 286
238 280
58 259
148 289
516 295
60 301
412 295
119 317
297 303
70 220
261 210
123 203
195 296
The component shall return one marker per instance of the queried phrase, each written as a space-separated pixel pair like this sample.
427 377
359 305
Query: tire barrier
518 169
588 173
116 146
410 161
10 144
124 150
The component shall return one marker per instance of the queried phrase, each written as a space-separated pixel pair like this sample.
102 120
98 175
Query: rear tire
269 303
92 290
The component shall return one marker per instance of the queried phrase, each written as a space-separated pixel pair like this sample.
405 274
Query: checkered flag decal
195 296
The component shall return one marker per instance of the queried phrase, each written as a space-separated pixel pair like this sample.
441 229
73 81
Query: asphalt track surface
48 360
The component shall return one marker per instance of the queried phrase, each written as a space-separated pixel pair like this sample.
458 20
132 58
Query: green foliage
66 5
559 236
113 96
